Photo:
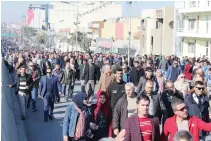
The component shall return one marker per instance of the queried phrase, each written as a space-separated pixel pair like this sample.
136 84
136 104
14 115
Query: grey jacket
141 85
120 113
163 65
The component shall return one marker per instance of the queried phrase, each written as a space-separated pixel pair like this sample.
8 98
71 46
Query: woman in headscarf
72 113
102 117
161 81
181 85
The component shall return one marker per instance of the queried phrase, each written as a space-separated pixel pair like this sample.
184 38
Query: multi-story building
112 34
192 32
64 15
157 31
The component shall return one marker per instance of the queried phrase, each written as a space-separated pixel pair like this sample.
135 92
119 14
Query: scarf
104 108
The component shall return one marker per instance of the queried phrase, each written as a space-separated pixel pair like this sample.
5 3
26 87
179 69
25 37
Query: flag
30 16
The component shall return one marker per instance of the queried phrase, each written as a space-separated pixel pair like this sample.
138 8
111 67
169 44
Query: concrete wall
167 43
149 24
12 127
157 41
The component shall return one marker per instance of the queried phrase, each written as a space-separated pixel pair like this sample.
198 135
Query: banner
30 16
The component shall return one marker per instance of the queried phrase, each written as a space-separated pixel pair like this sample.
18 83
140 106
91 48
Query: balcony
194 33
195 7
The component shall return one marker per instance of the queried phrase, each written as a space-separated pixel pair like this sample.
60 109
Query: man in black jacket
168 96
92 74
136 73
34 71
116 89
23 83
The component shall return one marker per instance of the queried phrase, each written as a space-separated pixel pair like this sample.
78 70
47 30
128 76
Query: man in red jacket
182 121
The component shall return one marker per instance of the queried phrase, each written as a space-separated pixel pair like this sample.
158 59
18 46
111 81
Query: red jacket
188 74
194 123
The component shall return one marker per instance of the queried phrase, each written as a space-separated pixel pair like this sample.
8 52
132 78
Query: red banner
30 16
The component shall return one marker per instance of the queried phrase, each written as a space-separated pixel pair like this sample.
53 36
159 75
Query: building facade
112 34
156 36
70 13
192 32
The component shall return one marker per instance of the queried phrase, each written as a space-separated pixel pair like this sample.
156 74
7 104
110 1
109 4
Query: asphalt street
38 130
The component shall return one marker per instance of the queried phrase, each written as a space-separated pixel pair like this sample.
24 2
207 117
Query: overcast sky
12 11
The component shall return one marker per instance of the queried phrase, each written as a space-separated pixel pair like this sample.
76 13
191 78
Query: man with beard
116 89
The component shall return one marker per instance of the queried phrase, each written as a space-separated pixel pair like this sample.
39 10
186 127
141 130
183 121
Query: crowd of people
155 98
8 45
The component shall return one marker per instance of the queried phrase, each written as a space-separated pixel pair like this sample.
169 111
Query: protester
182 121
141 126
23 83
125 107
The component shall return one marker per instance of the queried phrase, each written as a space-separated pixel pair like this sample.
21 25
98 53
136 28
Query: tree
28 31
82 40
42 37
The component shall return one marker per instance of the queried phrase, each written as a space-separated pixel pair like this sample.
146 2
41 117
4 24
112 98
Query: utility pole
129 46
76 30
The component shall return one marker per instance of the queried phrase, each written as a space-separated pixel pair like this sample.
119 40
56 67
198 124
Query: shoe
50 118
23 117
34 110
45 119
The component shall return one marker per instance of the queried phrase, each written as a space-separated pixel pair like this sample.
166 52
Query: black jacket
29 82
115 91
167 99
159 107
96 72
136 75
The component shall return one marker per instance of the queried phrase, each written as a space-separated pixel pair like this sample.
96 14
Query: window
191 47
191 24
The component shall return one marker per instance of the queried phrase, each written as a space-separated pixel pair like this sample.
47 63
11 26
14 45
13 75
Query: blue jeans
32 97
67 90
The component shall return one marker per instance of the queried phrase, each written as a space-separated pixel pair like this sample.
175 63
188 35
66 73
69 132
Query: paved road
38 130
